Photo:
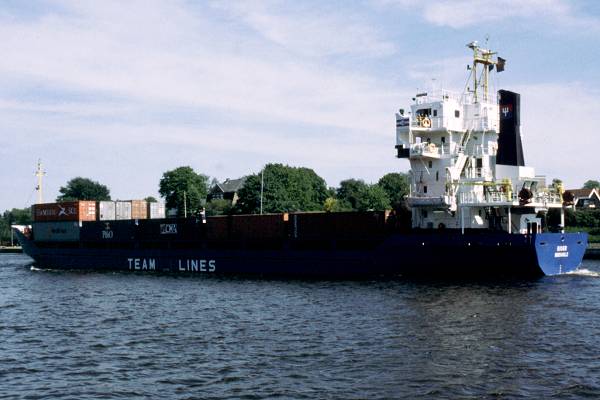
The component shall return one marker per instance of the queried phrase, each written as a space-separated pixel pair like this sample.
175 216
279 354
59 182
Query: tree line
284 189
281 188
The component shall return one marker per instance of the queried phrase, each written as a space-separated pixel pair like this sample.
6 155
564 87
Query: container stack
61 222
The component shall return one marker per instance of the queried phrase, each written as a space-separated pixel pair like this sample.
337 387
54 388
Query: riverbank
9 249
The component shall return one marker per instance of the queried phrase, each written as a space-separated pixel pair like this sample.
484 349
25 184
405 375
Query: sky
120 92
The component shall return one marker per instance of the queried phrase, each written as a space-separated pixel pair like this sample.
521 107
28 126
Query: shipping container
65 211
123 210
340 225
156 210
107 211
66 231
139 209
171 229
249 227
266 226
217 227
108 231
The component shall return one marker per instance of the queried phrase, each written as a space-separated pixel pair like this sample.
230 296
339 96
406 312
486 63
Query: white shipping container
67 231
107 211
156 210
123 209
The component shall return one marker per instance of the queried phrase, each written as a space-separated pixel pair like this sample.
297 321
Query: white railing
425 149
474 173
432 122
543 198
479 151
474 124
483 123
479 198
437 95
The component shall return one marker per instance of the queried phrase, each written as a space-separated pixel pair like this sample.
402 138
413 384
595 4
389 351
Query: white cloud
463 13
91 52
559 125
309 31
99 87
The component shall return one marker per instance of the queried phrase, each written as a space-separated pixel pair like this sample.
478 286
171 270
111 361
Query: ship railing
476 151
426 150
430 122
479 151
547 198
467 98
437 95
480 198
543 198
482 124
474 173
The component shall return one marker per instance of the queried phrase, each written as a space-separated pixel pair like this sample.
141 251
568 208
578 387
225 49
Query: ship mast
39 173
483 57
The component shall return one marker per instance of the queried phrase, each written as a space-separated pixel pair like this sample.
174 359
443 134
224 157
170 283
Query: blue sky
122 91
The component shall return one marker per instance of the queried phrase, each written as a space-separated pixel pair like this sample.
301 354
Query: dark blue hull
424 255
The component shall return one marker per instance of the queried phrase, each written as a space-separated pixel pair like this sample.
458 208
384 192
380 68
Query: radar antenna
485 58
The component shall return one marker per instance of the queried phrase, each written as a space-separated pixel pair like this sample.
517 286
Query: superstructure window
435 113
457 113
430 164
425 189
437 175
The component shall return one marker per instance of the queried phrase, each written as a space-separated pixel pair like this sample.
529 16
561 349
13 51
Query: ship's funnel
510 148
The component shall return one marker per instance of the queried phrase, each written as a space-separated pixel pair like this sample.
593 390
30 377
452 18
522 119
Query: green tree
349 193
151 199
396 186
16 216
354 194
285 189
83 189
373 197
218 207
331 205
4 231
591 184
175 183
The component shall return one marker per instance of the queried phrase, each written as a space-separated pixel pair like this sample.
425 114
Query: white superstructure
452 143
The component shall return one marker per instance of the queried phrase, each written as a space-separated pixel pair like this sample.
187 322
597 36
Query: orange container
139 209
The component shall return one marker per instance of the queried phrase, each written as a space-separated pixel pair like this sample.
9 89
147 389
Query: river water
75 335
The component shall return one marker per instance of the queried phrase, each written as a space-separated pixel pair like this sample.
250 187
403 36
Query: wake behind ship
476 210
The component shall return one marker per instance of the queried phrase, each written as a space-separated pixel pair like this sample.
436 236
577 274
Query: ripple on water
79 335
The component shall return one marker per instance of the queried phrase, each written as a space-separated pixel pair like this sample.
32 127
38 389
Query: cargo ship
476 210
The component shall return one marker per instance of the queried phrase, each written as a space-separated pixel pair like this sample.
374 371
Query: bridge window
457 113
435 113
